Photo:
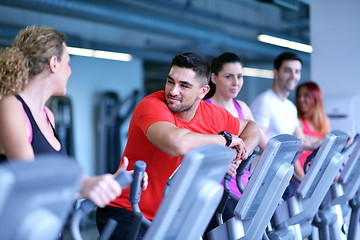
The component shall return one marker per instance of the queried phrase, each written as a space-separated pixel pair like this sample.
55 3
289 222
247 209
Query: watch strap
227 136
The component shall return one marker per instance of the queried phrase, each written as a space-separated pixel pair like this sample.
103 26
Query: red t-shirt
209 119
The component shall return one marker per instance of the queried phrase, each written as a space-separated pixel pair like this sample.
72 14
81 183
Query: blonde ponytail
14 73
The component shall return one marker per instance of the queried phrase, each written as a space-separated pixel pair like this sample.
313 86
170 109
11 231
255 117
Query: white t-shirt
277 116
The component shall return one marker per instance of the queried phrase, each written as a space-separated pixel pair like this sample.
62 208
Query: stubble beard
179 108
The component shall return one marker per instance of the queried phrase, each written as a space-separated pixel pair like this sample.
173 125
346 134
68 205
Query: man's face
183 90
288 75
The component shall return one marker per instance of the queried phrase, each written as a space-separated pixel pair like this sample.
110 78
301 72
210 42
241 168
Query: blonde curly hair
32 49
38 44
14 73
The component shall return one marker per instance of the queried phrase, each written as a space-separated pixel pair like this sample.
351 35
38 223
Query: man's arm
249 133
177 142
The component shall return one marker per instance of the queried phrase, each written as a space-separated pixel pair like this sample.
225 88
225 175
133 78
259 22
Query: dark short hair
193 61
285 56
226 57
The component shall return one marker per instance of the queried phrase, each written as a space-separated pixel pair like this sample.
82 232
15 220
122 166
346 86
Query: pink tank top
309 132
29 124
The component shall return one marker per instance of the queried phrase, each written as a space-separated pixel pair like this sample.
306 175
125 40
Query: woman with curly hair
34 69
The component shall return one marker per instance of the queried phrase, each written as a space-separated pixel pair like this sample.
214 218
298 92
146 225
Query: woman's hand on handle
101 189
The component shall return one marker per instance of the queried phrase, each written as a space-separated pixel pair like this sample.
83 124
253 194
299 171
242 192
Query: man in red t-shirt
165 126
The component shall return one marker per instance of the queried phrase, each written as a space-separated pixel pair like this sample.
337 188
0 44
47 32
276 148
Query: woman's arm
14 132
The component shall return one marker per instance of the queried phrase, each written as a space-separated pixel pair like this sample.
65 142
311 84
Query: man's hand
122 167
239 145
233 167
249 134
125 163
241 154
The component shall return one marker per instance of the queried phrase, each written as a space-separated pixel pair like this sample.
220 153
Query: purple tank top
245 177
237 107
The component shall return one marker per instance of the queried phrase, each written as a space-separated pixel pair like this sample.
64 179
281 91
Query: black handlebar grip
135 191
227 177
309 160
246 163
243 165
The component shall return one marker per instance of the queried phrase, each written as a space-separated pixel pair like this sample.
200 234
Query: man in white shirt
274 113
272 110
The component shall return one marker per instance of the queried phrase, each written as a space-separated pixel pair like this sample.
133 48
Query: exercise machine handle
242 168
243 165
123 179
86 206
134 198
227 193
246 163
135 191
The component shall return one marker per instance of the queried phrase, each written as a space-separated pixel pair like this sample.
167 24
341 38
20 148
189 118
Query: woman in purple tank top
226 83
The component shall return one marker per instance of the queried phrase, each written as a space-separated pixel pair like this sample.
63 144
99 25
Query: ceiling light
250 72
99 54
285 43
256 72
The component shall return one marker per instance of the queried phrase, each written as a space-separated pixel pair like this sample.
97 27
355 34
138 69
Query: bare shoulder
14 131
242 104
12 118
246 110
11 103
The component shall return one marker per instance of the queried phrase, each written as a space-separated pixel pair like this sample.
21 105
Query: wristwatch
227 137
